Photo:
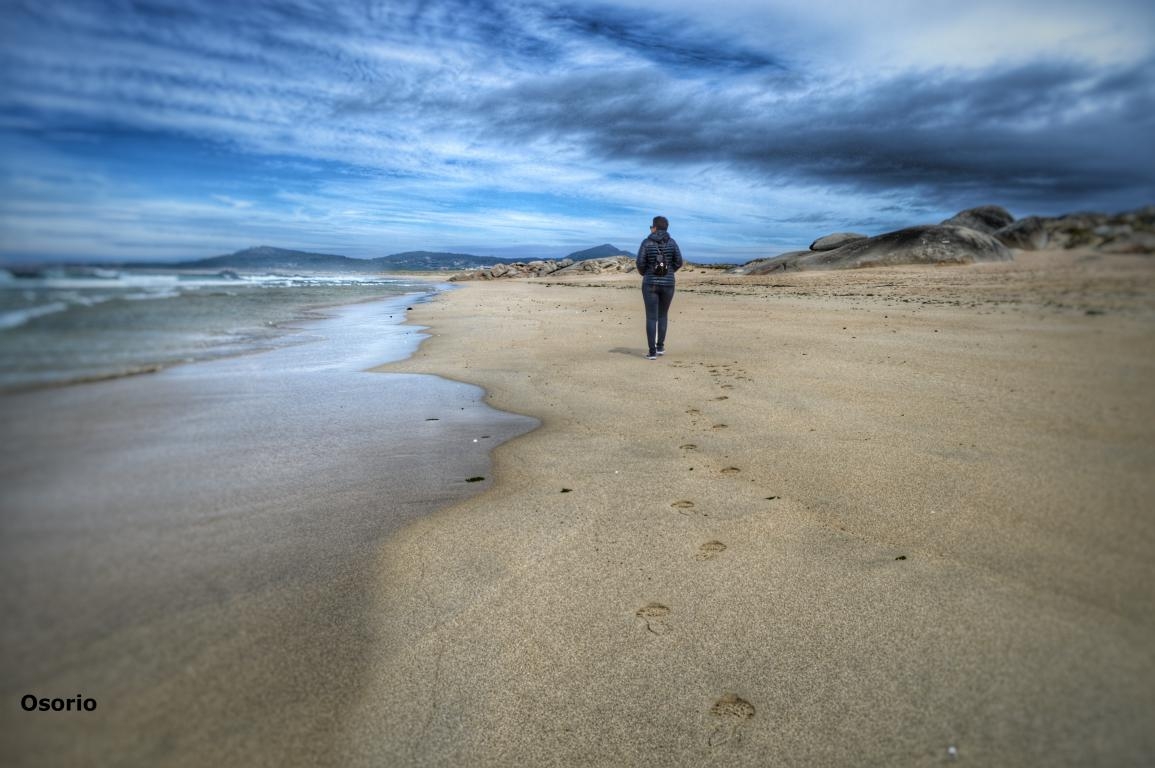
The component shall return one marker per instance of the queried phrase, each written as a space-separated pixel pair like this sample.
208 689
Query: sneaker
661 351
651 356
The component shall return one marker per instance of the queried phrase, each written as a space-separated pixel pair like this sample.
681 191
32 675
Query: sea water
68 325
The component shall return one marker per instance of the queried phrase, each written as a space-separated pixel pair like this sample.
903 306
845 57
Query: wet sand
880 517
193 549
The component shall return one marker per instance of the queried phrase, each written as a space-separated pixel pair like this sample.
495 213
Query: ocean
69 325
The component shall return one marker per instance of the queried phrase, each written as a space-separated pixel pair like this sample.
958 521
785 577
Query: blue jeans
657 294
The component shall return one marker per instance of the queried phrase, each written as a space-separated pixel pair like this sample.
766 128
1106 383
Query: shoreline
914 493
193 550
247 339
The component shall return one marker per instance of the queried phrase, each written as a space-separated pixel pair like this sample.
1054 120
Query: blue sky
166 129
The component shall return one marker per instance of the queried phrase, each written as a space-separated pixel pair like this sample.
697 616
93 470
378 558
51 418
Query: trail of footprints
724 375
729 715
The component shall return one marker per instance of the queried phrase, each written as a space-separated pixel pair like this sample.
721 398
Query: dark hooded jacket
659 246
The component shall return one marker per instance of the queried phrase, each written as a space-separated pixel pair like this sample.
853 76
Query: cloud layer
151 128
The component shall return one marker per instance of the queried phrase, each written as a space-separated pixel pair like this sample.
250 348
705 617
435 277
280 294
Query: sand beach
897 516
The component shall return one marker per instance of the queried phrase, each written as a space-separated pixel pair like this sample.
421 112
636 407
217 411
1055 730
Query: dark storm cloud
1042 131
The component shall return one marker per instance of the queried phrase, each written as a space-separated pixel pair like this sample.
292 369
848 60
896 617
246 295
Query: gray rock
518 269
1029 234
915 245
779 263
597 266
750 267
836 240
1075 230
985 218
1133 242
1106 230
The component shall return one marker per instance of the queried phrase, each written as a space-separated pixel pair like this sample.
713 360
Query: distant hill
599 252
265 258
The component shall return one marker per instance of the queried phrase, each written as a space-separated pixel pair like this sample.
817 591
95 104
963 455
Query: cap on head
661 222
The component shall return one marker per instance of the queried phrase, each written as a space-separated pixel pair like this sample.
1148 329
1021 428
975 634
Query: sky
174 129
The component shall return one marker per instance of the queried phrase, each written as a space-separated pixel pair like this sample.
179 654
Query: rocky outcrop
915 245
1029 234
769 264
597 266
836 240
1130 232
550 267
1135 242
517 269
985 233
985 218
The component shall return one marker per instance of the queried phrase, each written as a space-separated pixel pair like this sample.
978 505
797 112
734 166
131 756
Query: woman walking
658 259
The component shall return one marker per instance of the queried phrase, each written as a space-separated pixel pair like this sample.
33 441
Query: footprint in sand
719 426
655 615
729 714
731 471
688 447
710 550
683 505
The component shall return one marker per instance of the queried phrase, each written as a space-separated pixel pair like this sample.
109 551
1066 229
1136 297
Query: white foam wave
19 317
111 280
172 293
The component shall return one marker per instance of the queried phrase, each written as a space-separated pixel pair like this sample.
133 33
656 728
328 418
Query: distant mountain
599 252
265 258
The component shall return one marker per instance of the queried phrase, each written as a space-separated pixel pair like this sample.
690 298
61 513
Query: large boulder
985 218
914 245
836 240
1029 234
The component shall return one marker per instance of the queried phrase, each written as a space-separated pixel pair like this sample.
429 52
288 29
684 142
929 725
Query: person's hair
661 222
